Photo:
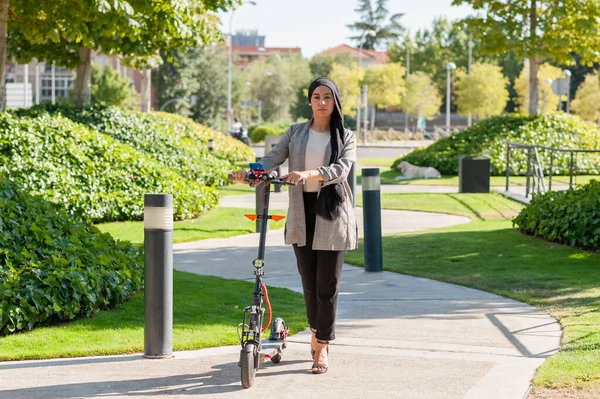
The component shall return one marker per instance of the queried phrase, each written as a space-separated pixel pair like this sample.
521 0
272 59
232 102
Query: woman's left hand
294 177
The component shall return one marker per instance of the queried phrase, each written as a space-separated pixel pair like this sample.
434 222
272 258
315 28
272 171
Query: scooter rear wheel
276 359
248 369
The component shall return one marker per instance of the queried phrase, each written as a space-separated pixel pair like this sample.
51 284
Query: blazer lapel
302 141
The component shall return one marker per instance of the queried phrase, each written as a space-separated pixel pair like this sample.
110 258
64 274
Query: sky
316 25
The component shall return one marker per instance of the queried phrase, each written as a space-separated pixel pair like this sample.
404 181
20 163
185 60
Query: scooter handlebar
271 178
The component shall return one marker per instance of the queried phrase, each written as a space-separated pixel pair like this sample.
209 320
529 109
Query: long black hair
332 195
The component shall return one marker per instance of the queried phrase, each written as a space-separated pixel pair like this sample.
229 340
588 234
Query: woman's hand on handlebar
240 176
294 177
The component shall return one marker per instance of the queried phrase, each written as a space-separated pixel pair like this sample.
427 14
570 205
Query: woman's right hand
240 176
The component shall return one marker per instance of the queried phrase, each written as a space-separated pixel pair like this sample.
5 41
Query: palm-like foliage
376 17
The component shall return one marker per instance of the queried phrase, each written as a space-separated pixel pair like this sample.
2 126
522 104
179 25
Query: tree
587 99
321 66
263 76
545 71
422 98
349 81
431 49
482 93
198 71
108 87
538 30
376 19
386 84
67 31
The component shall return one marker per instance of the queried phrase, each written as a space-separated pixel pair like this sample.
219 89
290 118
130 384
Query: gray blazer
340 234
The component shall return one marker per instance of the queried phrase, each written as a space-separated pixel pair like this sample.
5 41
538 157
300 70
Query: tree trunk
533 63
146 92
534 102
83 79
3 50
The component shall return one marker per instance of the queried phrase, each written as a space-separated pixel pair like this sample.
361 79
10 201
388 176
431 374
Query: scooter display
256 348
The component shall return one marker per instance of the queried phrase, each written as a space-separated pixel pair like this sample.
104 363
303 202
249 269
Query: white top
315 156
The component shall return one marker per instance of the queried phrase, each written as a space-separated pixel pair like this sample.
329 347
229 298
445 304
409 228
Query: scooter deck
270 348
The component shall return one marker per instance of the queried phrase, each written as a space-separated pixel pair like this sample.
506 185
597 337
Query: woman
320 223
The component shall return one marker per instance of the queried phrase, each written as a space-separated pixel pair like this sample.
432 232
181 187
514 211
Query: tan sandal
322 366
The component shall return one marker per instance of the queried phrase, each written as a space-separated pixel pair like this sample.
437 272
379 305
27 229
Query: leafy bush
257 133
569 217
490 137
226 147
172 144
54 268
108 86
89 173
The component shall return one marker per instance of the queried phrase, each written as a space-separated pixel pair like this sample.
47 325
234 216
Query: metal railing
535 179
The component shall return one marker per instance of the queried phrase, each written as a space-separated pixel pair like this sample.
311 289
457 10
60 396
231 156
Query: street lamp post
262 49
369 32
230 66
470 117
449 67
567 74
407 45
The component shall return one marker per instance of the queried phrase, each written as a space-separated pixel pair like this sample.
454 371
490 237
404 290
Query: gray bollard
372 219
158 275
211 145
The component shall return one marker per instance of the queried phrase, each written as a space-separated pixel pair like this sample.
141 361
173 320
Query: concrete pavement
398 336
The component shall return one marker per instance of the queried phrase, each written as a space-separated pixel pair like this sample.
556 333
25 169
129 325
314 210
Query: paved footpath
398 337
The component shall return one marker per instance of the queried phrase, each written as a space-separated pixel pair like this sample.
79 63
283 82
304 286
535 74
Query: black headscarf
332 195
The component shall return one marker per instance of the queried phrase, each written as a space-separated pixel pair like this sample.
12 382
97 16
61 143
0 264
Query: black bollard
372 219
158 275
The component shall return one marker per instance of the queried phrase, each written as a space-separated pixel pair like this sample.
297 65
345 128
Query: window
63 82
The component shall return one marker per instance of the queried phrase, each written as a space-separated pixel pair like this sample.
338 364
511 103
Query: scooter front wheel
248 367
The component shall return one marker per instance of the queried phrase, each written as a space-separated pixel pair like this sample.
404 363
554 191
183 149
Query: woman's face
322 102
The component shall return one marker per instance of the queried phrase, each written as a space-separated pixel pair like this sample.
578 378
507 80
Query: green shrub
257 133
226 147
55 268
569 217
89 173
490 137
172 144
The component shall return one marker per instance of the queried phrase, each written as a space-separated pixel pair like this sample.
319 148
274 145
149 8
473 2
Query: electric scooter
256 348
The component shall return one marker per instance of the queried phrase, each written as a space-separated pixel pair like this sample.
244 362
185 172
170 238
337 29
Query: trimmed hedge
167 140
490 137
257 133
54 268
89 173
226 147
569 217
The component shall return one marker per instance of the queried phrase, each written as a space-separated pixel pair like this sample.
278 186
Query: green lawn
218 223
368 162
236 189
388 176
475 206
206 312
488 254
